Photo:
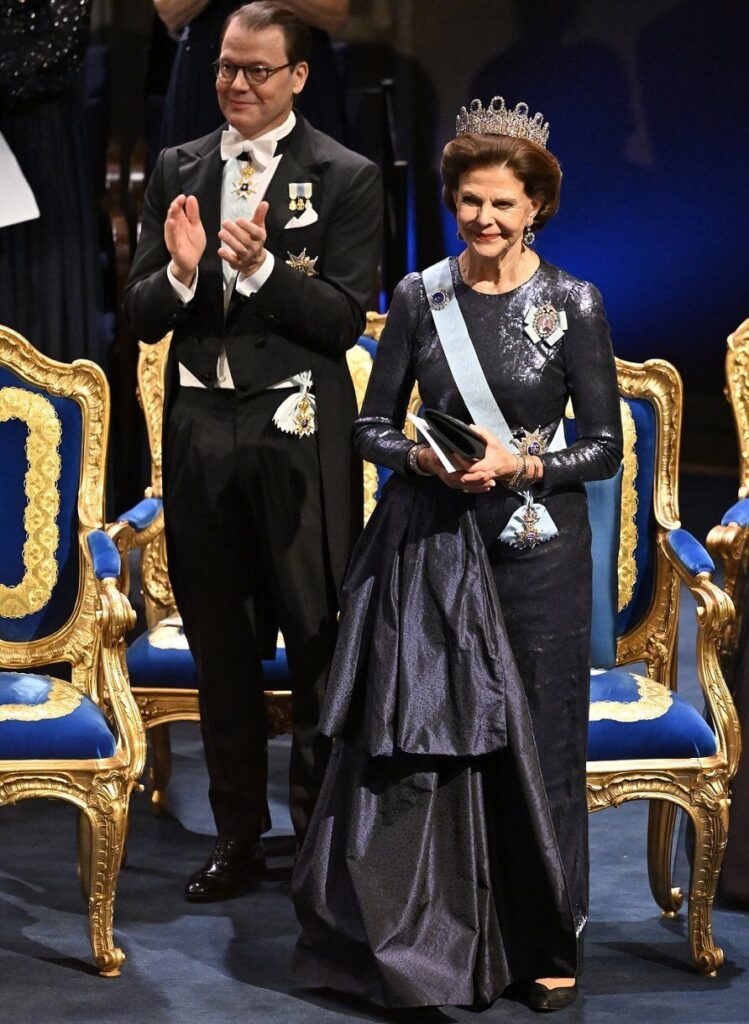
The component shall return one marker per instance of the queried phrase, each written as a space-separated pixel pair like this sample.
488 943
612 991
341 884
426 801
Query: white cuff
184 293
248 284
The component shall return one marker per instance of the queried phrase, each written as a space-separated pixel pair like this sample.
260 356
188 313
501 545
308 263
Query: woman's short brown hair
264 14
536 167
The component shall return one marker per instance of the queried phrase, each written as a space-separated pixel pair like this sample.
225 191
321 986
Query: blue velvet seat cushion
633 717
161 658
42 718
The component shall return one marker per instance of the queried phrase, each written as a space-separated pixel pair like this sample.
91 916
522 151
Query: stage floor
229 962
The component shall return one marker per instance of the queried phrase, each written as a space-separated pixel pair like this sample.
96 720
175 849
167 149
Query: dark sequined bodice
42 43
531 381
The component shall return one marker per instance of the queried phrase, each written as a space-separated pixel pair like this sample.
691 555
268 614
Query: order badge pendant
304 418
529 525
529 534
300 195
243 186
297 414
545 324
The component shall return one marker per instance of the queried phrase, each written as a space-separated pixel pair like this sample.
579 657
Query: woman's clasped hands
477 476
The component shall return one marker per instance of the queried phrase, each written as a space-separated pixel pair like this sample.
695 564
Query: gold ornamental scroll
42 502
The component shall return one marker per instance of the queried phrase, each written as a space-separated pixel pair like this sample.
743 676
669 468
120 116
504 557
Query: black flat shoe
233 863
544 1000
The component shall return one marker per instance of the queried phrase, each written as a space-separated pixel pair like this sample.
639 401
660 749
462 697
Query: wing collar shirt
265 160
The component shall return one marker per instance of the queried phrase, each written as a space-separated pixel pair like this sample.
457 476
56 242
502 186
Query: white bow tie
261 151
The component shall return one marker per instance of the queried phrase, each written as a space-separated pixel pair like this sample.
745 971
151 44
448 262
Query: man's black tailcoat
295 322
248 551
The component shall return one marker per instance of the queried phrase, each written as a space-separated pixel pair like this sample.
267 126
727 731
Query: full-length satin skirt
431 877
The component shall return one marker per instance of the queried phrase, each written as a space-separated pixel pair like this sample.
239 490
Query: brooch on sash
545 323
296 414
438 300
243 186
300 195
303 262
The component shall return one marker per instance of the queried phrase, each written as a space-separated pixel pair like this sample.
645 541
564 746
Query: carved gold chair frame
161 706
700 786
729 541
92 643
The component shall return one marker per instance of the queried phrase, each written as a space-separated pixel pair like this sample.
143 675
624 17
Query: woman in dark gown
447 857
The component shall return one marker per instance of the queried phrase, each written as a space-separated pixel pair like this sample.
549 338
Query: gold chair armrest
715 614
115 617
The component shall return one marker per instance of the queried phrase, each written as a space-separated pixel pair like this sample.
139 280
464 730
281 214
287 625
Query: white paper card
17 202
423 428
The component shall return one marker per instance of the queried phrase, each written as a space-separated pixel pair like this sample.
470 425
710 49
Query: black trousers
246 546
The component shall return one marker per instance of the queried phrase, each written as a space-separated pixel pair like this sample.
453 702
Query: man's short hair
264 14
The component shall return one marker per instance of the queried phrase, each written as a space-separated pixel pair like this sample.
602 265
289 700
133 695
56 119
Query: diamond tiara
496 119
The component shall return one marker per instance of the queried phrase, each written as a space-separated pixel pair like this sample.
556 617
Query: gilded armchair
728 542
74 735
645 741
161 667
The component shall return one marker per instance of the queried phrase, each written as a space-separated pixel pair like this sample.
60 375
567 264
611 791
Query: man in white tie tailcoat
258 249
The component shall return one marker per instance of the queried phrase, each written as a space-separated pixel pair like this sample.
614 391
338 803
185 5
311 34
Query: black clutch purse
453 434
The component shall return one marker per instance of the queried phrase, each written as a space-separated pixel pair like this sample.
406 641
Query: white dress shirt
232 207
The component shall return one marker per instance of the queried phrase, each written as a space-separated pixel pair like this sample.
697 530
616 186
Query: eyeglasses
254 74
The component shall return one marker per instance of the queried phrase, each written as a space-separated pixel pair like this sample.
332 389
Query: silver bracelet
412 459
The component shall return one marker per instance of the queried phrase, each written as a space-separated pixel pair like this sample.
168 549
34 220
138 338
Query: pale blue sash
531 524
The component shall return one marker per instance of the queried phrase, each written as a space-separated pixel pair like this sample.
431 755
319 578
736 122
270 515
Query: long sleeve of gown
592 385
378 432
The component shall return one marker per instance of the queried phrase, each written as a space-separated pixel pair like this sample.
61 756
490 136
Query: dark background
646 101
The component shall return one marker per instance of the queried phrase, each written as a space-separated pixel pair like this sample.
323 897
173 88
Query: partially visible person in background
190 107
49 267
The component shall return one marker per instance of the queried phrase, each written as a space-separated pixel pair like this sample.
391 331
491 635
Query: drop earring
529 235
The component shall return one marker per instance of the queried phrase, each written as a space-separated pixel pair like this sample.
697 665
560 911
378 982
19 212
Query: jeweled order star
303 262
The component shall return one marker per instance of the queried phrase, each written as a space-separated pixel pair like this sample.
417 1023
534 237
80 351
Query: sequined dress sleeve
378 432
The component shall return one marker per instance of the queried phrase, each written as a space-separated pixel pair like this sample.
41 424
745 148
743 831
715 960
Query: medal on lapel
545 324
243 186
300 195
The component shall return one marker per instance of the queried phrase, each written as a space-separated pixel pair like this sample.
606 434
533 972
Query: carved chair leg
84 854
710 821
161 766
107 821
661 821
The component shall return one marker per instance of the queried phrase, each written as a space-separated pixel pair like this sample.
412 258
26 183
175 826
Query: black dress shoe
233 863
543 1000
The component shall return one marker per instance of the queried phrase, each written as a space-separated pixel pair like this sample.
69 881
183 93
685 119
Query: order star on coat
303 262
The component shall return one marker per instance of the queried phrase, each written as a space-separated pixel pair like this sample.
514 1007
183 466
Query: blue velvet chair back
53 417
634 590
